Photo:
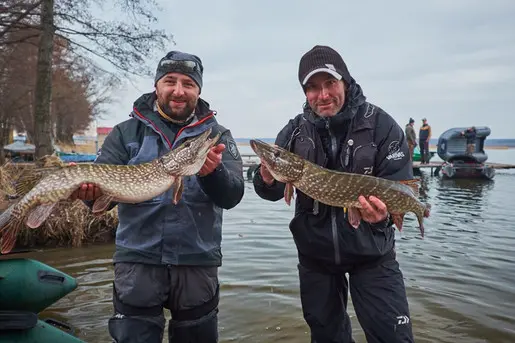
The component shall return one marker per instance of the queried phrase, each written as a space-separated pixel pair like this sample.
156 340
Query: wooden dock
435 167
250 160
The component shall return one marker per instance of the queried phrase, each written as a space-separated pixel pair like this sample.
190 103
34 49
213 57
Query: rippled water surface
460 278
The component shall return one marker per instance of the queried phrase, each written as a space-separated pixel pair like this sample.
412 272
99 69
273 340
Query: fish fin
354 217
178 187
9 234
398 220
101 203
49 161
6 217
426 214
39 214
288 193
413 184
30 177
26 182
427 211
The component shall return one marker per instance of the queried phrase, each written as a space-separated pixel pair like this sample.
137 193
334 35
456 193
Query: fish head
284 165
189 157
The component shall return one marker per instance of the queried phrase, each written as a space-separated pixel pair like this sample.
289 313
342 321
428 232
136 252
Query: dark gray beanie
322 59
180 62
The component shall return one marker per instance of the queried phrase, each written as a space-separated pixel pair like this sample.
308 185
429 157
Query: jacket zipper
316 205
334 227
163 136
349 154
169 143
192 125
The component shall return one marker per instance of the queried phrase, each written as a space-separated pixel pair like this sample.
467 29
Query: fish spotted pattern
119 183
340 189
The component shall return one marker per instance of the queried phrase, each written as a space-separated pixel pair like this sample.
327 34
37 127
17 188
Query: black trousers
424 151
141 292
378 295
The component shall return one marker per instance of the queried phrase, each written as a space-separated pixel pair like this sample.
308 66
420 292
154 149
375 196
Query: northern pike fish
119 183
340 189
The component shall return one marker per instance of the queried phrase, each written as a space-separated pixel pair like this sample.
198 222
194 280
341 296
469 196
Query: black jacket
363 139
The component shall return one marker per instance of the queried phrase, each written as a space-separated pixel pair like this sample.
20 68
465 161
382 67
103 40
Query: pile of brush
71 223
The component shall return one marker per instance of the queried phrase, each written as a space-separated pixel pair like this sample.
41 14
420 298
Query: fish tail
9 227
5 217
10 232
421 226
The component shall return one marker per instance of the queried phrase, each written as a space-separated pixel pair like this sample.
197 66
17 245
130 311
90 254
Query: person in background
470 134
411 137
167 256
424 136
340 130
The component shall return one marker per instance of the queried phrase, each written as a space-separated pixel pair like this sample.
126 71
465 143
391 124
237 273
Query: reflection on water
464 200
460 278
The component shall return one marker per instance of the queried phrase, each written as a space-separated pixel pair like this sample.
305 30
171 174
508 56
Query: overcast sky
450 61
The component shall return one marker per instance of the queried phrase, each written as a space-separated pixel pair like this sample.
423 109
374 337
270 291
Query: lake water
460 278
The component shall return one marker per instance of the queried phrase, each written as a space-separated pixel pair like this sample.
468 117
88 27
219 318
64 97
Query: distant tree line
52 83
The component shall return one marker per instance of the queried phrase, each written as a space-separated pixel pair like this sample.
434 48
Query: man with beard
340 130
167 256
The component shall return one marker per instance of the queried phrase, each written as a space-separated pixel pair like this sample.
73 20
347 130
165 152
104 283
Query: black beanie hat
180 62
322 59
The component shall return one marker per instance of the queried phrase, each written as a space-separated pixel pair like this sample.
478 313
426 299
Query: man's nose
324 93
178 90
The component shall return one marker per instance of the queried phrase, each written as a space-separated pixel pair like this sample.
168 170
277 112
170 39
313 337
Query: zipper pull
350 143
315 207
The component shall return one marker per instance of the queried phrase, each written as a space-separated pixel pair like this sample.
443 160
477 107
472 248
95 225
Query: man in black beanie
167 256
340 130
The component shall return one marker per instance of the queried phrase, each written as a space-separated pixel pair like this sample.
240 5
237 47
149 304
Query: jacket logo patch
369 111
233 149
394 151
330 66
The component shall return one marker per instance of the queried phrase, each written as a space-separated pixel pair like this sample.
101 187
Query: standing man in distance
424 135
411 137
167 256
340 130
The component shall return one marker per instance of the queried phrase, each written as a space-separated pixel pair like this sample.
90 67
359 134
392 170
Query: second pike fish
119 183
340 189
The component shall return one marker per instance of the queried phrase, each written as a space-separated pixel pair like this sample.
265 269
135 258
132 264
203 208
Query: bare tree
124 44
43 137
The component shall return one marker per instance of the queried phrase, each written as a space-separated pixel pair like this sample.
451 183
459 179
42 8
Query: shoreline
432 147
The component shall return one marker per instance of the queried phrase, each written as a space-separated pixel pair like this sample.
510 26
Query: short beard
181 116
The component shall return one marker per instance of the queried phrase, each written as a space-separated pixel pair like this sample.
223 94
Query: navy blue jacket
157 231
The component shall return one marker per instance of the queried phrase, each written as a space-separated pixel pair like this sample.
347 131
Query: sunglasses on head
179 66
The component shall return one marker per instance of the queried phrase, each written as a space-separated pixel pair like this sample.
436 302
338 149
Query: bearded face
177 95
